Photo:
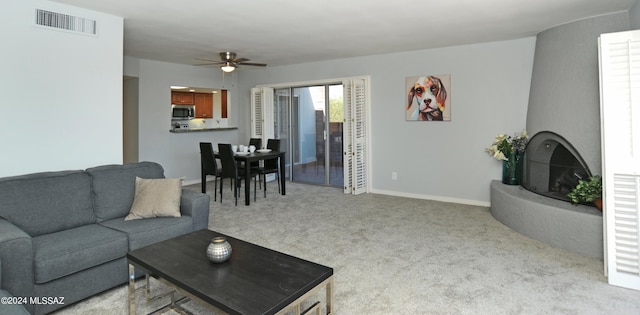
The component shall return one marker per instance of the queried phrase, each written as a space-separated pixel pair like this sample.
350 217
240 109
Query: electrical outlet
394 175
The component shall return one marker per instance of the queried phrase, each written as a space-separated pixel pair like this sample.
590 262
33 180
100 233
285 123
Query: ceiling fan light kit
228 67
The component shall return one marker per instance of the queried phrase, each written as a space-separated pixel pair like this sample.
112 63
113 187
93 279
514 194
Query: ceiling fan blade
209 63
229 58
254 64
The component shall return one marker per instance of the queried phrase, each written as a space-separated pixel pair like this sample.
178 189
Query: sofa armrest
16 253
14 309
196 205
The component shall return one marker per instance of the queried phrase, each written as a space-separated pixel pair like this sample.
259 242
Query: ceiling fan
229 62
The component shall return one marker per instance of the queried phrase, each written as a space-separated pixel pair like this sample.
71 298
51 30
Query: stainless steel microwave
183 112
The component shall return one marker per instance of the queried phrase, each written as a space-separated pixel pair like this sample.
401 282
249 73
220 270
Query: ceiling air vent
66 22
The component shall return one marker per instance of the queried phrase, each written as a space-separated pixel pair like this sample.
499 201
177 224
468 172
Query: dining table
248 157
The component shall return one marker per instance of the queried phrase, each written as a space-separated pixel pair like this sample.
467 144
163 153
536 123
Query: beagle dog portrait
426 99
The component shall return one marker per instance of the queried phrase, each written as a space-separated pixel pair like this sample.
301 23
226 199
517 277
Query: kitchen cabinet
182 98
204 105
223 106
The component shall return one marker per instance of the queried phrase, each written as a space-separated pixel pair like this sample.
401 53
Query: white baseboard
191 182
429 197
271 177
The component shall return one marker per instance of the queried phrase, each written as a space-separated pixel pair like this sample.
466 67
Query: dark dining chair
208 166
257 142
271 166
230 170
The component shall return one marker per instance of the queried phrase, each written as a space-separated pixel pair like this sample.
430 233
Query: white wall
62 92
434 160
178 153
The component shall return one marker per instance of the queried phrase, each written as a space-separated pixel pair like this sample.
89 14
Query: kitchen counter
187 130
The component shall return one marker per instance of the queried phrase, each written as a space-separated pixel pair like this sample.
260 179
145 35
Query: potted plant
588 191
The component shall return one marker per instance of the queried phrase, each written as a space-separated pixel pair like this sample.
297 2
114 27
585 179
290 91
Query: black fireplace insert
552 166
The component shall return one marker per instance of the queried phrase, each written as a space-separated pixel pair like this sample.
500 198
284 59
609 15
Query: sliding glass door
314 117
281 123
335 135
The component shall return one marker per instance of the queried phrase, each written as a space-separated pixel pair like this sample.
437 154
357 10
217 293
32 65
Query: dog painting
428 98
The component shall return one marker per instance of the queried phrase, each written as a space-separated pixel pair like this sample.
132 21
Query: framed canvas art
428 98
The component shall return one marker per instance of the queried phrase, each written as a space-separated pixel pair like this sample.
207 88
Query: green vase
512 169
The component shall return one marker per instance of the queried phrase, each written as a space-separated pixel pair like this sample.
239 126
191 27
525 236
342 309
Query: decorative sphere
219 250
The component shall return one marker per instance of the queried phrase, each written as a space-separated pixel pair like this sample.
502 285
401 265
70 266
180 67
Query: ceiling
283 32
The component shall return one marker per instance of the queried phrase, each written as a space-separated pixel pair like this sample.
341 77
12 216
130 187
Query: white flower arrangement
504 146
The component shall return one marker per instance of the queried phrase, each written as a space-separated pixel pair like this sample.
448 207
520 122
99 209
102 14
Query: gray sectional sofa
63 234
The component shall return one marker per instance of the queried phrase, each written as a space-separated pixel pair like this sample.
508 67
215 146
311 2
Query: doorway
324 127
130 120
316 115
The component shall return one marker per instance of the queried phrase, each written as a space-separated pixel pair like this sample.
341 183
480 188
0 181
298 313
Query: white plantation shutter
620 124
256 113
354 136
268 129
262 113
625 224
347 161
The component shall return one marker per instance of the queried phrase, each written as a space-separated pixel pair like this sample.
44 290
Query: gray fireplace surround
564 98
576 228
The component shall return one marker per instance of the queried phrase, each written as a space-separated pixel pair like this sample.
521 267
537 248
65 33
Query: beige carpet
395 255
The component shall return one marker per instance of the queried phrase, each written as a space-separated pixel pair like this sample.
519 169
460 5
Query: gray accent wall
634 16
565 96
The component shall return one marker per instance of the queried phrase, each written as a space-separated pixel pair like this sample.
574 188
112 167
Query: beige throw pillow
156 198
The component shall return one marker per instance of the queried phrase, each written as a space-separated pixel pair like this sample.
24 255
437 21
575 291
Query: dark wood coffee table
255 280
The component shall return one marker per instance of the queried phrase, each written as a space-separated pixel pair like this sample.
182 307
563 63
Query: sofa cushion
43 203
148 231
114 187
158 197
66 252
